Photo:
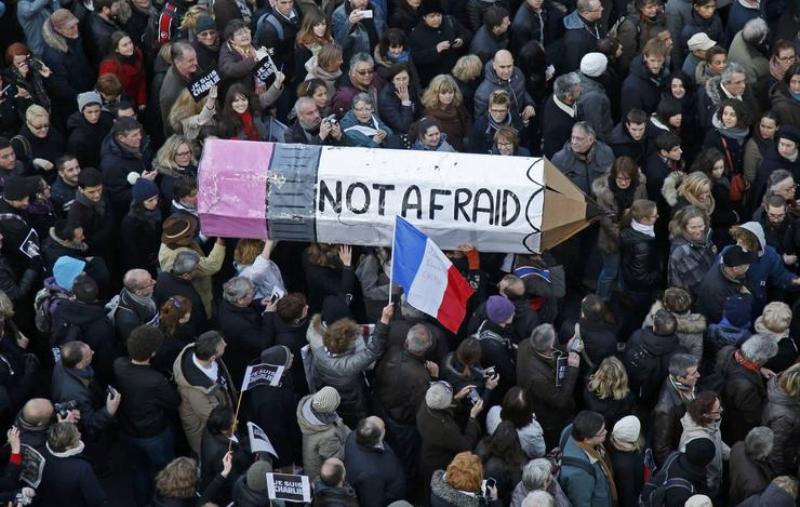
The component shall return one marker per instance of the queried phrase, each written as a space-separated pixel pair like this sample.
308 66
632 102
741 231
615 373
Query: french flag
430 281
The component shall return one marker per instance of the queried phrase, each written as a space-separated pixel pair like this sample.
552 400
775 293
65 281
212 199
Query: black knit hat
431 7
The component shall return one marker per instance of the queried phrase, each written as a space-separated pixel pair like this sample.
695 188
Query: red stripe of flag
453 307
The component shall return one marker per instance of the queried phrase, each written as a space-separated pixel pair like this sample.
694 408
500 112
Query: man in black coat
92 211
62 191
642 88
136 305
86 129
676 393
537 20
178 282
561 113
145 417
122 157
599 338
311 128
278 30
724 279
627 139
436 42
583 30
17 374
492 36
241 322
102 25
374 470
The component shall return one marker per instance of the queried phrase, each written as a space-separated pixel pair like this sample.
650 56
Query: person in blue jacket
586 474
362 126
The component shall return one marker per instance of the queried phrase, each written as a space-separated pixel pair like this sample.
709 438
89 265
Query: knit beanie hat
700 451
89 98
499 309
737 310
66 270
326 400
143 190
439 396
431 7
789 132
698 501
737 256
62 19
277 354
627 429
400 503
594 64
204 23
257 475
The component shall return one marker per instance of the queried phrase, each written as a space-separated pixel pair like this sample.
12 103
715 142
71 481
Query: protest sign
259 441
291 488
32 466
262 374
201 85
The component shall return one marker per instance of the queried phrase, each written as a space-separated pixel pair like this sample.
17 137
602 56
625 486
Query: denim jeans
609 274
148 456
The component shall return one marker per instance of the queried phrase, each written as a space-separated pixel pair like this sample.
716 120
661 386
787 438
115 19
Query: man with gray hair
584 158
743 392
560 112
539 499
178 282
311 128
549 388
363 78
731 84
537 476
134 304
373 469
401 381
180 73
676 393
751 465
584 27
243 321
748 49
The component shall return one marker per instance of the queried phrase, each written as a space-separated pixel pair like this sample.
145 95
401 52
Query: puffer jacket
345 372
608 236
782 415
669 410
691 328
691 431
639 262
320 440
514 86
583 170
199 395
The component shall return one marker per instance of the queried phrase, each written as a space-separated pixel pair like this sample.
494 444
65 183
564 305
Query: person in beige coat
203 382
324 432
180 234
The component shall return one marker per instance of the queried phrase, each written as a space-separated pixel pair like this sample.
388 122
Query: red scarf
746 363
250 131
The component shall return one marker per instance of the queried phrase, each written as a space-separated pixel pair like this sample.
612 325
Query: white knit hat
594 64
698 501
627 429
326 400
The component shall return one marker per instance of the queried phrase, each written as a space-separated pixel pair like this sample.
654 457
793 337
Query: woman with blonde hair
782 416
314 33
444 102
774 322
693 189
176 485
607 391
251 260
175 160
467 72
327 66
39 144
190 118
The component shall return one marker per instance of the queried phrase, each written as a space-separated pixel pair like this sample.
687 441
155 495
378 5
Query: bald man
136 303
330 488
35 418
502 74
376 473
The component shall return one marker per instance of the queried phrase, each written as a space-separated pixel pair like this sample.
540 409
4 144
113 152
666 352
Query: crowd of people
650 359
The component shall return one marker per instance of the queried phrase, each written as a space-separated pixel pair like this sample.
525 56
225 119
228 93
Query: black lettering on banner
461 204
382 188
434 206
325 193
201 85
477 208
409 205
497 207
506 195
349 198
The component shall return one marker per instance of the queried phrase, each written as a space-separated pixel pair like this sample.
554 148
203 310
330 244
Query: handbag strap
727 152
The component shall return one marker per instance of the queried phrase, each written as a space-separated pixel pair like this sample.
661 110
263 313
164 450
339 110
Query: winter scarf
99 206
648 230
600 455
746 363
250 131
623 197
738 134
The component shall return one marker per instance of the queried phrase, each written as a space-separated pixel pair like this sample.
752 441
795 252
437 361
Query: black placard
201 85
291 488
265 70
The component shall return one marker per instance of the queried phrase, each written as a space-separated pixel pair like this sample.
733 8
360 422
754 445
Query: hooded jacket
608 236
580 38
693 430
85 138
199 395
691 328
755 63
515 86
782 415
321 440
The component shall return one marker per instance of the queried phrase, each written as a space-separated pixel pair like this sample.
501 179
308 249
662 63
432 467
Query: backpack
44 303
642 368
655 490
561 461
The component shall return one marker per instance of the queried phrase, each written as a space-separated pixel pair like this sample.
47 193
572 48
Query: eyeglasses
183 154
623 178
365 72
43 126
504 144
786 58
362 109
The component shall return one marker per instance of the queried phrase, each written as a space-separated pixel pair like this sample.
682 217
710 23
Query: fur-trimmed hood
688 323
605 197
54 39
670 188
452 496
713 90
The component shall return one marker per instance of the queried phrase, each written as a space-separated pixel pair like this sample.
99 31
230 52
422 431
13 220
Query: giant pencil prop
351 195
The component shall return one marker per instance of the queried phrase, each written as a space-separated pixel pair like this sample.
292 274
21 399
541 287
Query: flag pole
236 415
391 271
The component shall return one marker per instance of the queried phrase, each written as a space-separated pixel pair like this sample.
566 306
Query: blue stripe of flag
409 249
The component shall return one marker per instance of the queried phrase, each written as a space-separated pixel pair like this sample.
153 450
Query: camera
64 407
34 64
330 119
489 372
474 397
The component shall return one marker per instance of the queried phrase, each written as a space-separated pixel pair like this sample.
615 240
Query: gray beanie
257 475
88 98
326 400
439 396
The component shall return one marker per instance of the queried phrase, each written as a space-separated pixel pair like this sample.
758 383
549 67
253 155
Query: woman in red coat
126 61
